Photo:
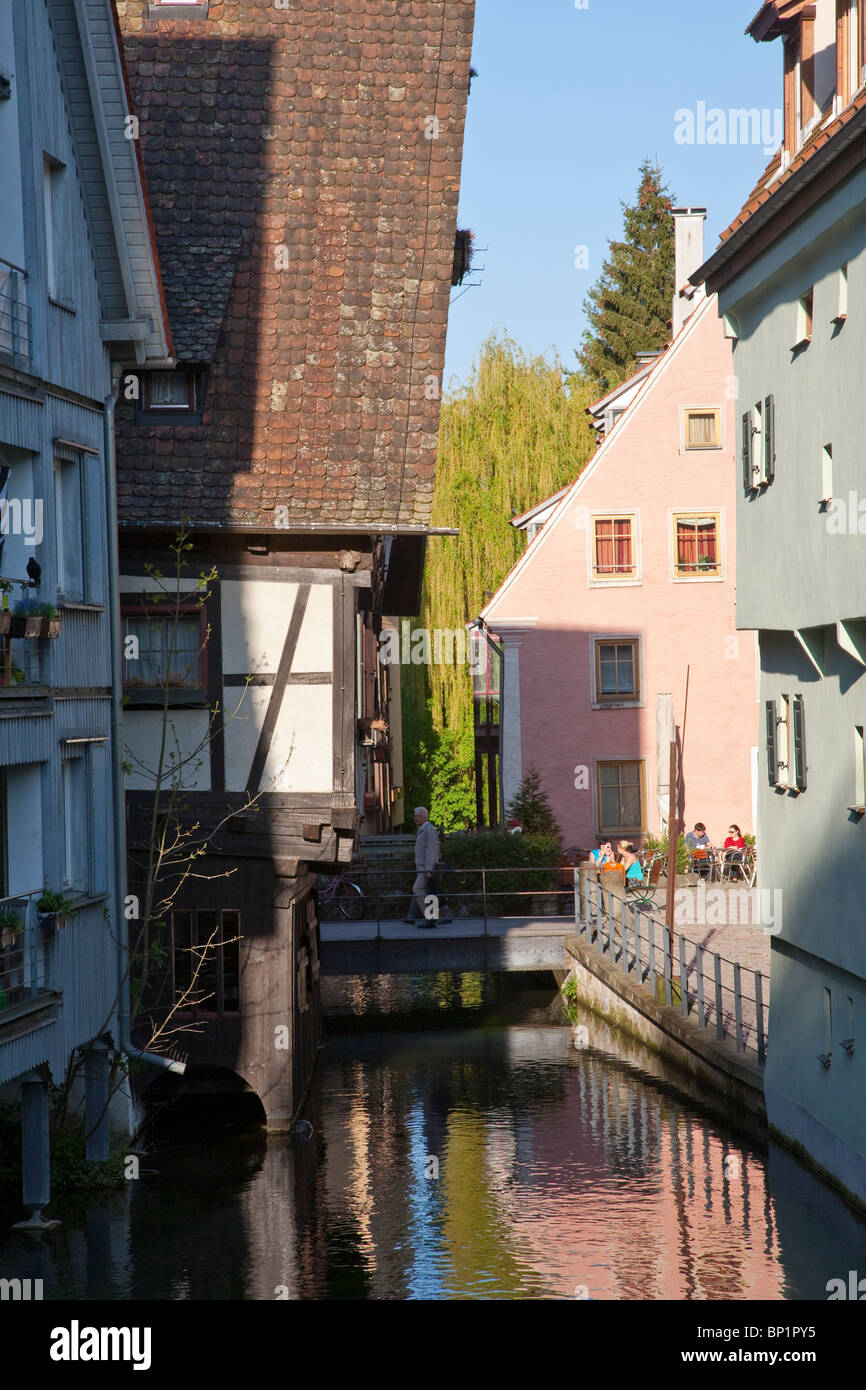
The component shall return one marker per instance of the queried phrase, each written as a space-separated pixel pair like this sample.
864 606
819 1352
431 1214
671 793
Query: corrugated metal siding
89 998
26 739
21 422
80 656
82 718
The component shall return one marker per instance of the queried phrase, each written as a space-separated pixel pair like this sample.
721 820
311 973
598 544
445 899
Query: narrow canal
462 1140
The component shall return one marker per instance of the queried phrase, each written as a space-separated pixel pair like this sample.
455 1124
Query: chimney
689 254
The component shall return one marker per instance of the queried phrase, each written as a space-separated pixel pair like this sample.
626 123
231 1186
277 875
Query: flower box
28 627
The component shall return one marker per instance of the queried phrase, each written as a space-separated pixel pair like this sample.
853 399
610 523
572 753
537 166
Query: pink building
618 620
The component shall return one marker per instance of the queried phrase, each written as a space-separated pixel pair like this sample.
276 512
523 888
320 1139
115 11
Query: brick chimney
689 254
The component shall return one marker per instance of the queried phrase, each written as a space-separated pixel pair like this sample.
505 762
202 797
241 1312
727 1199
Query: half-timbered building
303 166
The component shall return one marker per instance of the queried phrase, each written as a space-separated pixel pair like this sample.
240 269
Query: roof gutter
717 271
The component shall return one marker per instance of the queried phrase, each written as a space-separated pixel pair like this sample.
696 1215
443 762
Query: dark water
488 1157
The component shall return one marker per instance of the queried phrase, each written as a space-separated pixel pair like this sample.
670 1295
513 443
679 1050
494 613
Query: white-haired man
426 860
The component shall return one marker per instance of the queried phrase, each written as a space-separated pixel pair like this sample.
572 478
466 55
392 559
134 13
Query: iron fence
722 994
15 318
23 955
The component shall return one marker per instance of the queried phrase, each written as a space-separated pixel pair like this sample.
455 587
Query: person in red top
734 846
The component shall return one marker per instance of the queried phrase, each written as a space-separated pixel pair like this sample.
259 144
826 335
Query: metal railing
720 993
463 893
23 965
15 317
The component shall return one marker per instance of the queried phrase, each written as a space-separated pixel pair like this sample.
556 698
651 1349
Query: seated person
735 846
603 855
630 862
700 846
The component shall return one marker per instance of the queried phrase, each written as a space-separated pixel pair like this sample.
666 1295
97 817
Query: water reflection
497 1161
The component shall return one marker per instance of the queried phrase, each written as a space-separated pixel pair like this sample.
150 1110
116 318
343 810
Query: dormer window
177 9
169 391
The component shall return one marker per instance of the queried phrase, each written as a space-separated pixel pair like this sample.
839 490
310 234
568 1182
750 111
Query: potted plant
54 910
11 927
5 615
31 618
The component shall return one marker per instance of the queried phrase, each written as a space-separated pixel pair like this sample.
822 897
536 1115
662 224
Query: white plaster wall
255 619
301 754
142 734
315 649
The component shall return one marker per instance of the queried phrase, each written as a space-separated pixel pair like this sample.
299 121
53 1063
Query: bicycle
339 893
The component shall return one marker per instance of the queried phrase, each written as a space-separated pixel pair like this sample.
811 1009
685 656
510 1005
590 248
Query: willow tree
511 436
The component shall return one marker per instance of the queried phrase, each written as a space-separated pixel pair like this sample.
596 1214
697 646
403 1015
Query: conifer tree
629 306
531 807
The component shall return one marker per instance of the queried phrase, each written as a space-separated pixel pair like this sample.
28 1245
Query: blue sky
566 104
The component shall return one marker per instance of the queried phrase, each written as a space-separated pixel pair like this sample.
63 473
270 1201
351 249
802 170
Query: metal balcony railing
15 317
23 972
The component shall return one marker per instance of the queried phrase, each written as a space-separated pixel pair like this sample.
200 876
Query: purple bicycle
338 896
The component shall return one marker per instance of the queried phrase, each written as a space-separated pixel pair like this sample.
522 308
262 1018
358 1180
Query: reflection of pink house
626 584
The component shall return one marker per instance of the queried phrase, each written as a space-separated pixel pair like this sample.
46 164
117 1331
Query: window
617 672
613 555
842 305
758 444
799 744
55 229
169 391
786 743
859 770
165 648
697 547
804 319
69 528
772 743
205 951
843 52
703 429
827 475
621 797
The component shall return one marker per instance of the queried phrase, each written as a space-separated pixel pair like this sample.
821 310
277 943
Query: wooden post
673 826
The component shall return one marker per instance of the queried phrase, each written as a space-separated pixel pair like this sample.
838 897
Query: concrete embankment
629 1006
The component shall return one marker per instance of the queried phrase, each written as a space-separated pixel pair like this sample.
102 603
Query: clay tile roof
305 217
198 278
772 181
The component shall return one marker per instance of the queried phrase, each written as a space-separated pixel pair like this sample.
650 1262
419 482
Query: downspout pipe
118 793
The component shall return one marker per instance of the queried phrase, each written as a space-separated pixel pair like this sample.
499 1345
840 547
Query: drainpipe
118 794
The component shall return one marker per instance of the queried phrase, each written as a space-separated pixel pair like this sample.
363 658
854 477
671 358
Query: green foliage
629 306
10 921
498 850
511 436
55 902
656 846
34 608
531 807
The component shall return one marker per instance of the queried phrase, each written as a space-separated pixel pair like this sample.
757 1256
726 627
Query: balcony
15 318
24 988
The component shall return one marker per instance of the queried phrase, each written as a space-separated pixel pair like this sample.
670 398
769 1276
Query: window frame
606 581
597 699
150 407
193 696
702 576
687 411
214 1008
805 319
621 831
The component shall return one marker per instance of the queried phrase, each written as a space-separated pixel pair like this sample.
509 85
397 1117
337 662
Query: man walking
426 860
